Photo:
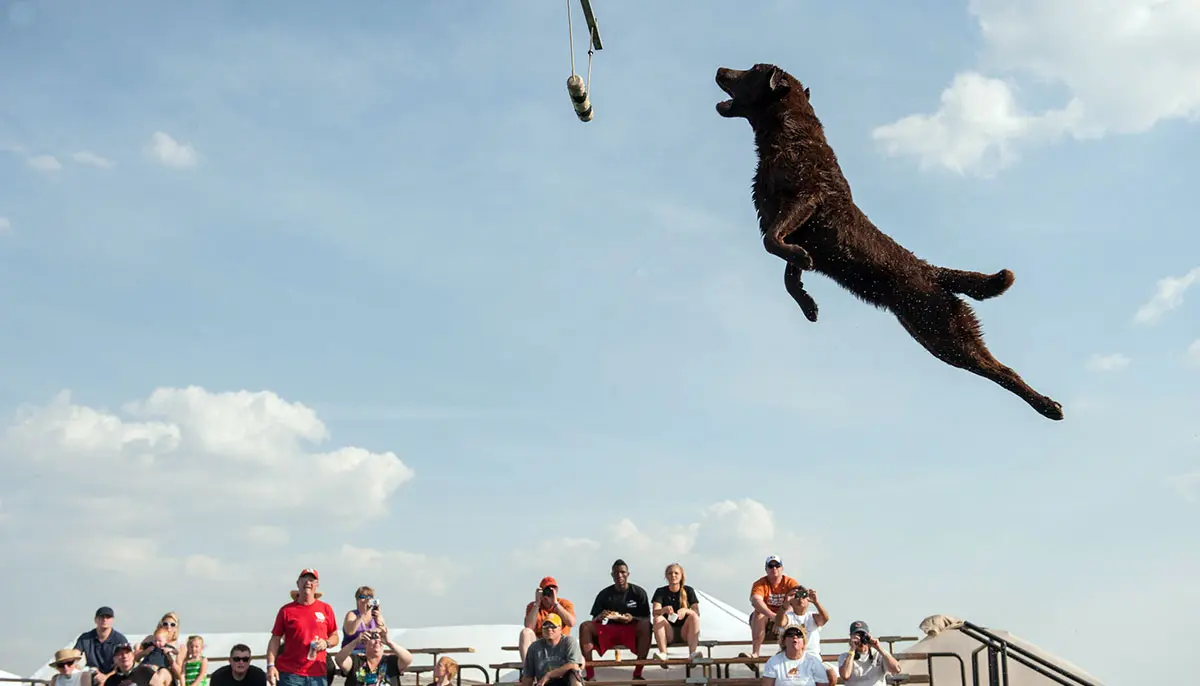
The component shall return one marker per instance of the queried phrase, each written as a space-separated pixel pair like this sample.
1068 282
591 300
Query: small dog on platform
808 217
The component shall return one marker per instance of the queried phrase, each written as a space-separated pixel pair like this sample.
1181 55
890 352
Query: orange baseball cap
548 581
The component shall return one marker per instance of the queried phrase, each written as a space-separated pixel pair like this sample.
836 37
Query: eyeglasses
245 658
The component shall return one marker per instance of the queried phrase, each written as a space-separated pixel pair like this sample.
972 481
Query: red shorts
614 634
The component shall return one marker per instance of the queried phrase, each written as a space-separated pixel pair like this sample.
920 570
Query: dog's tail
974 285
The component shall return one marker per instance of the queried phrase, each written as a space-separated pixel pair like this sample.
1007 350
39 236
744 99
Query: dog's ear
807 96
778 83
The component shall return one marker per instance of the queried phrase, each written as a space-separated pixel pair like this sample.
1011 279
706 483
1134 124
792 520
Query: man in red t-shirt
307 627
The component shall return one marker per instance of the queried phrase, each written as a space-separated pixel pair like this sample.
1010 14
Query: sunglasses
168 624
245 658
63 665
365 597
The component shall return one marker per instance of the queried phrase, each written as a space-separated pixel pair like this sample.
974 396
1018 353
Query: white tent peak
946 634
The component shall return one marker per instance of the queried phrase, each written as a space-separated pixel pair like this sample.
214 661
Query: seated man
125 674
546 602
554 659
239 671
100 644
620 617
767 596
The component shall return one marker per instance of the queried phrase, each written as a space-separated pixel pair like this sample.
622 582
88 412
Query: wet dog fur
808 217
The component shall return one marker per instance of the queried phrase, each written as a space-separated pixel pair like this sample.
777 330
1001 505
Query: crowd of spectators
306 634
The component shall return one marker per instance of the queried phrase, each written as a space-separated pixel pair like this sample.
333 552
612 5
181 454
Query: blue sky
555 343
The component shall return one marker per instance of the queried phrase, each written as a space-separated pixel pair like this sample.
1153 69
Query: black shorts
677 638
569 679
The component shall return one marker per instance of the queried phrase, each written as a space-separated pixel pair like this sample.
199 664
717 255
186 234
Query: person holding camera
798 611
866 663
546 602
364 617
371 667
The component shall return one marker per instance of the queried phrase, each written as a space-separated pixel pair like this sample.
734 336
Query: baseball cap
554 619
795 630
105 611
775 559
311 571
124 645
858 626
548 581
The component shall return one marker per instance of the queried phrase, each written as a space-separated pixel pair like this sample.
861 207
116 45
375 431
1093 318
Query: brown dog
808 217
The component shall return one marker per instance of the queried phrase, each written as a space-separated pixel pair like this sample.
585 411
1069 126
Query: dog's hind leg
792 280
947 327
976 285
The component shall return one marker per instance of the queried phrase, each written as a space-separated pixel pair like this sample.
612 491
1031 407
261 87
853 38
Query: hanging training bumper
579 98
577 88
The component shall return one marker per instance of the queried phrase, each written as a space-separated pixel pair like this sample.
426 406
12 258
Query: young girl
195 665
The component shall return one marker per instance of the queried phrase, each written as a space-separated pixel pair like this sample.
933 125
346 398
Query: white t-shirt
866 671
812 644
804 671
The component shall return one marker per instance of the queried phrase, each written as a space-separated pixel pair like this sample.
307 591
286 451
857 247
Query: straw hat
64 655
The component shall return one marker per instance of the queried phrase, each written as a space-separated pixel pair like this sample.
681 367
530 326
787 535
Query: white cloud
261 534
5 225
1123 68
1107 363
90 158
172 153
1193 353
249 454
1167 297
1186 485
421 572
46 163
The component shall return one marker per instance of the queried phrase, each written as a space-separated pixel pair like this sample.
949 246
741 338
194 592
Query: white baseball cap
773 558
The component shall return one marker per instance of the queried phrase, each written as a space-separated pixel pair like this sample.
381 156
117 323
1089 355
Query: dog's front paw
808 306
801 259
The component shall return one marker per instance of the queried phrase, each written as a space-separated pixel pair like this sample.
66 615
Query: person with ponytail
676 611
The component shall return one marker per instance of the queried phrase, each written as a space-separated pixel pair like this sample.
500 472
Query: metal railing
999 651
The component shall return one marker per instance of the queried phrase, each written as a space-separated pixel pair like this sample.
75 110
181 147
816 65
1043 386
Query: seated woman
444 671
676 612
162 646
866 663
795 666
66 663
372 667
159 652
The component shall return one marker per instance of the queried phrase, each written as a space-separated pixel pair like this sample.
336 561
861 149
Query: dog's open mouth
723 82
